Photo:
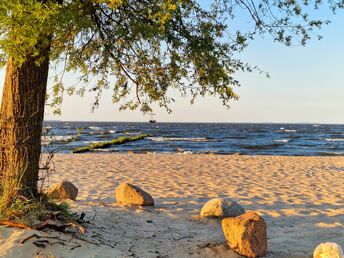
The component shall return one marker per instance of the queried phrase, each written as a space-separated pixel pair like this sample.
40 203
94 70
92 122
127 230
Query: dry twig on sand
9 223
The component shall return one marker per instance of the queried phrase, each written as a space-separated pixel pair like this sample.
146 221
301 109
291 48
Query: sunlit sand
301 199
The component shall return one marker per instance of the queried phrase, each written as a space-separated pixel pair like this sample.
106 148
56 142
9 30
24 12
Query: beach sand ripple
300 198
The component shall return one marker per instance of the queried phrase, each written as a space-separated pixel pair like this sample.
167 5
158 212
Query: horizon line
179 122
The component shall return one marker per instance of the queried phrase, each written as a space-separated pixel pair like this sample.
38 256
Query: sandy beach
300 198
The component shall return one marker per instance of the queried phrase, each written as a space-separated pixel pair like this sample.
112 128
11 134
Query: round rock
328 250
221 208
63 190
130 194
246 234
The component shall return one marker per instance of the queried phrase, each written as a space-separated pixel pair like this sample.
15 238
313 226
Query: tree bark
21 120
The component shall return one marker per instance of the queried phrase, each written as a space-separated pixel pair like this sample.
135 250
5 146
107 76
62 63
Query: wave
99 131
231 137
329 153
96 128
282 130
103 150
274 139
281 140
167 139
185 152
262 147
95 133
90 142
58 138
334 139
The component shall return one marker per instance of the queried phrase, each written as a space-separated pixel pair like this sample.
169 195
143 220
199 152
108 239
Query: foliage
117 141
27 210
149 47
31 211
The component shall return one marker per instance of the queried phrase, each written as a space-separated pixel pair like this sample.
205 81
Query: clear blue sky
306 85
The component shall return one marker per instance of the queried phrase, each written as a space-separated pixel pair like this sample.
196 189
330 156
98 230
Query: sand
301 199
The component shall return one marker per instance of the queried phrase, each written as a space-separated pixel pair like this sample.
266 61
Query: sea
199 138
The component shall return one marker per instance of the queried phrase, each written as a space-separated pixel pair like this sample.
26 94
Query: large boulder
328 250
63 190
221 208
130 194
246 234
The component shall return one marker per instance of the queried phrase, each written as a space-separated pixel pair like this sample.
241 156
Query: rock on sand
221 208
63 190
328 250
246 234
130 194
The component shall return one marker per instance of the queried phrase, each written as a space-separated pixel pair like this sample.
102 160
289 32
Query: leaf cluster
141 50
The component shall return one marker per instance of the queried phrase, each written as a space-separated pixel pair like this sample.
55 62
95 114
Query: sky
306 85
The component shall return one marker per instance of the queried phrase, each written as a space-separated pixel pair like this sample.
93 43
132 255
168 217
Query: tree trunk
21 119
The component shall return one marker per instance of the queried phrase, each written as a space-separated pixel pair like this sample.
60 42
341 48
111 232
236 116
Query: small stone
130 194
44 255
246 234
328 250
63 190
221 208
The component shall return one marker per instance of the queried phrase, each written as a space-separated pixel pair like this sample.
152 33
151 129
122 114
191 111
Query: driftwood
41 243
54 222
9 223
61 227
74 247
42 240
48 223
38 237
185 237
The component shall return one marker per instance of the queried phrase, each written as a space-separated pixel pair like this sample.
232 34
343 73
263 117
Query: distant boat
151 120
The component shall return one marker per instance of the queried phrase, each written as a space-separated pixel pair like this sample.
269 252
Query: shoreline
99 152
300 198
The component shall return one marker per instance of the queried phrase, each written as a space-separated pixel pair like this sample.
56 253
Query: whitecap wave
96 128
185 153
91 142
282 130
167 139
57 138
330 153
334 139
103 150
281 140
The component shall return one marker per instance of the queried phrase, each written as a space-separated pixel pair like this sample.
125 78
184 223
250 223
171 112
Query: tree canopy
148 47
